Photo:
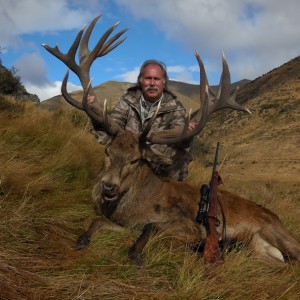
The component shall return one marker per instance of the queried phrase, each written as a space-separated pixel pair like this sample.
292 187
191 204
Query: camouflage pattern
127 114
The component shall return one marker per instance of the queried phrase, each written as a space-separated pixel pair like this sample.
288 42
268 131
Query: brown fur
144 200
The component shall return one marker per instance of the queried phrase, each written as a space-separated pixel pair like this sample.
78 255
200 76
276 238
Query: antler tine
203 77
224 86
109 46
67 96
100 49
231 103
203 86
111 128
188 134
86 57
82 70
72 52
85 105
143 135
69 58
223 99
83 49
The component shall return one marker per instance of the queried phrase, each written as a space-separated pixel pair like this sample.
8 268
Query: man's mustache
152 88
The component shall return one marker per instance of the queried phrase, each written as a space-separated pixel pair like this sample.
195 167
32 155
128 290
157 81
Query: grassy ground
48 165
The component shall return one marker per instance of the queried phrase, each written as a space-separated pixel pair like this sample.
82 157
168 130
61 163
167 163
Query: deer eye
134 161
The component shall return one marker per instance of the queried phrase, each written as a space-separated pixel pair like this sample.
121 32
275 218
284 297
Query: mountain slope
263 147
188 94
49 163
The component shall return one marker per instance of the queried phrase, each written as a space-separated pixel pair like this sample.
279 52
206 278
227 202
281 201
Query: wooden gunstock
212 252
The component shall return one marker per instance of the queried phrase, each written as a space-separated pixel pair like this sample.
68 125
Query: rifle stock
212 252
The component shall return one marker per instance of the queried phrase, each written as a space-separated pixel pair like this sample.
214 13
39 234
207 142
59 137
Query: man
135 108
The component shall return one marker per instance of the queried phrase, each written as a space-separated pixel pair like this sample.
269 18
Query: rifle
207 215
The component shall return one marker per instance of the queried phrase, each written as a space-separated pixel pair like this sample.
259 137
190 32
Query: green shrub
9 82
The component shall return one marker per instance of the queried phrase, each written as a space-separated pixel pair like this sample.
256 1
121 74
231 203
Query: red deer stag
129 194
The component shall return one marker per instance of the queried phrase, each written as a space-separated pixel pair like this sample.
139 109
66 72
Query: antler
82 70
210 102
223 99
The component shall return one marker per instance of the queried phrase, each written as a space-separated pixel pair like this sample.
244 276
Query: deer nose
109 188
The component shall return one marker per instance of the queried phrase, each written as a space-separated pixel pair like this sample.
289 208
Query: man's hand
192 125
95 104
90 99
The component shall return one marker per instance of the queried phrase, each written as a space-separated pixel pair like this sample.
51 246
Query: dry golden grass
48 166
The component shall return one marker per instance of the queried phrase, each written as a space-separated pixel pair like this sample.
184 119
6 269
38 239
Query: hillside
49 163
113 90
263 147
282 80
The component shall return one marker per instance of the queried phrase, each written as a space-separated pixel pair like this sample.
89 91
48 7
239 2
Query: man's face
152 83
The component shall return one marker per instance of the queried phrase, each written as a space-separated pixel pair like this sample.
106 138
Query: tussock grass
48 165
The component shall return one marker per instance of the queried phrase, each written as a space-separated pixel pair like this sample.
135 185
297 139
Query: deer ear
150 156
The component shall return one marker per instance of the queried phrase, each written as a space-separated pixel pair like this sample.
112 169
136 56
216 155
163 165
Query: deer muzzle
110 192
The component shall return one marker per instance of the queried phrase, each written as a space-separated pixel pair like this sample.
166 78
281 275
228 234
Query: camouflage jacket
127 113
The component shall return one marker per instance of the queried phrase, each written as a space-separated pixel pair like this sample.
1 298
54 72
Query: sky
255 35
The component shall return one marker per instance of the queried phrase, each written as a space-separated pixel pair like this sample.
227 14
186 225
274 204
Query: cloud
256 36
182 73
261 32
178 73
32 68
35 16
129 76
50 90
33 72
32 16
176 69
